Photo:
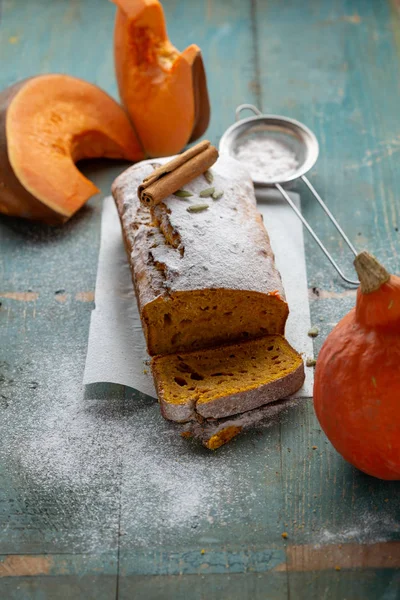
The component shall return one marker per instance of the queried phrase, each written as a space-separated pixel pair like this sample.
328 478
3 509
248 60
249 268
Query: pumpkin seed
313 332
197 208
183 194
311 362
217 195
207 192
208 176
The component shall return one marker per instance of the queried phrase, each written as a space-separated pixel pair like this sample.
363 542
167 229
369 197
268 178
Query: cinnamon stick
170 177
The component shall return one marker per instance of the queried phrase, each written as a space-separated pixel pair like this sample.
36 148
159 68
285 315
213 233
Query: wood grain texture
100 532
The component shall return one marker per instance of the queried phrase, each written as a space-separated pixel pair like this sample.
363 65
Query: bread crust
213 433
232 404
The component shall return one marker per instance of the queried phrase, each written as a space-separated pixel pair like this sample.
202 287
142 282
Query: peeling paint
382 555
19 565
85 297
20 296
355 19
384 150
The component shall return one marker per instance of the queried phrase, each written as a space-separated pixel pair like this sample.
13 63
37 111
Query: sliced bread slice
213 433
226 380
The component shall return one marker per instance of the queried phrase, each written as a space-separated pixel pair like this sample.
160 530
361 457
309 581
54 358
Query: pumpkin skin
47 124
357 381
164 91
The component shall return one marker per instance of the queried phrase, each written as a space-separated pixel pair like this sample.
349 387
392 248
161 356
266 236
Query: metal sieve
302 142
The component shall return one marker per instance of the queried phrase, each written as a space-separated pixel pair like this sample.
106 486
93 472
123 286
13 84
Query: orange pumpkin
163 90
357 378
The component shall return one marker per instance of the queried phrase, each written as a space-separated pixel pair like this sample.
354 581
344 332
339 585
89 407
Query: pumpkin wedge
47 124
163 90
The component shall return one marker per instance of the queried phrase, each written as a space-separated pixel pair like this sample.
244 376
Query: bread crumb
145 371
311 362
284 535
202 551
337 568
314 447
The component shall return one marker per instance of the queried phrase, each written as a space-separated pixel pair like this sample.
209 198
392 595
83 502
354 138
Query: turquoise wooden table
99 498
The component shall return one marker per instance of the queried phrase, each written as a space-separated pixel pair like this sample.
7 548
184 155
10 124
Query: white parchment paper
117 350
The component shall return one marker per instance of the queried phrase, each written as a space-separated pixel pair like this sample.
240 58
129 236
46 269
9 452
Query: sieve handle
251 107
328 212
312 232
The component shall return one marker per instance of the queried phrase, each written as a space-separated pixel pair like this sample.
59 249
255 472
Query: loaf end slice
227 380
214 433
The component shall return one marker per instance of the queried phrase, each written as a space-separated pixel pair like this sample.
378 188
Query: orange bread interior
207 318
206 376
222 437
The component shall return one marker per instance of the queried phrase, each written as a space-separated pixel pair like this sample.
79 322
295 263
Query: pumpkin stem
370 272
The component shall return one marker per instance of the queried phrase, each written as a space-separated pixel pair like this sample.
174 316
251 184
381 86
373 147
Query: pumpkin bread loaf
226 380
211 302
203 276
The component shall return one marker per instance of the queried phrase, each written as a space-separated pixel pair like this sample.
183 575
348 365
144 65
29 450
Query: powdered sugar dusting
83 459
91 469
367 528
267 159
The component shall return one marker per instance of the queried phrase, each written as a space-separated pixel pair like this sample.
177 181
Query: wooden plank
67 36
332 66
52 576
197 587
175 520
167 526
51 504
266 586
88 587
327 65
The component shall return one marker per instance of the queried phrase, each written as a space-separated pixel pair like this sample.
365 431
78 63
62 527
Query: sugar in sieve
301 144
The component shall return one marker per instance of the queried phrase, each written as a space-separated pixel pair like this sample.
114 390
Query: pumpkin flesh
162 89
53 121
